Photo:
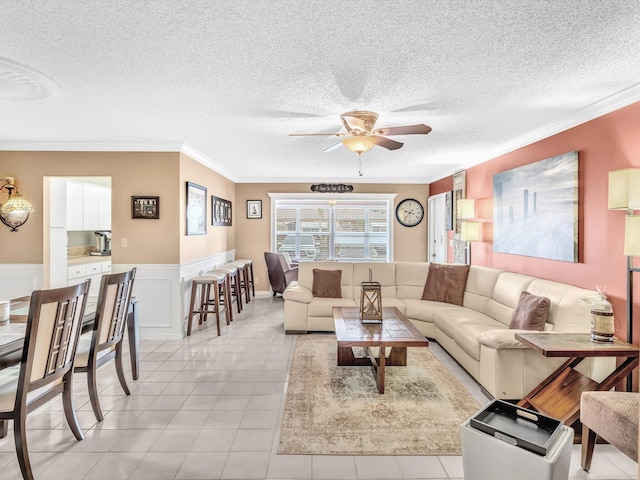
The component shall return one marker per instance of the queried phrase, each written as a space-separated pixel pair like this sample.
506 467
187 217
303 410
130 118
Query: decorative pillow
445 283
531 312
326 283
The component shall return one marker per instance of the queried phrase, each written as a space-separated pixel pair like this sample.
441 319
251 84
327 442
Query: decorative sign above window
332 188
220 212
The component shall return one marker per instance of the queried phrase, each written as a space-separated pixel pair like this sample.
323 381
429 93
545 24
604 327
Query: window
353 228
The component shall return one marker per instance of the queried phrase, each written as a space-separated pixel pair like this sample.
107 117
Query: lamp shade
470 231
359 143
16 204
624 189
466 208
632 236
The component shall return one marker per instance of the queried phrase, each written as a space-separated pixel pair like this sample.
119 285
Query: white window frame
388 198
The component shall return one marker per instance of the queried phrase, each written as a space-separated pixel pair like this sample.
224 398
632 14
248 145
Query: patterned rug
338 411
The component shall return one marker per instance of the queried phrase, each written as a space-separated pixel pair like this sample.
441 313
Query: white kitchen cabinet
88 206
104 208
75 206
58 202
76 271
94 270
91 197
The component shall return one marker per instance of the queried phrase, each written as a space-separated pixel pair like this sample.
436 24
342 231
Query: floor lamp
624 194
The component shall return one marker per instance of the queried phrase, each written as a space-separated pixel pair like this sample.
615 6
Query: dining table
12 332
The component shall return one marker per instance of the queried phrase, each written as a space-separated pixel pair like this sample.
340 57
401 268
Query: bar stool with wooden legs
250 281
243 276
233 285
201 287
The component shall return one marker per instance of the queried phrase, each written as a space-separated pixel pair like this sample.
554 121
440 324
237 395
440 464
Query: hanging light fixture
15 212
359 144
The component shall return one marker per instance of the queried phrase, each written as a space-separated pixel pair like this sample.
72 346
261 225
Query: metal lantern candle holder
371 301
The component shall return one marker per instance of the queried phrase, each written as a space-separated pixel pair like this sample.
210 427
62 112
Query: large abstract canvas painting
535 209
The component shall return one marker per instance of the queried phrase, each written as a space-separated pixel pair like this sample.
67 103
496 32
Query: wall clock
409 212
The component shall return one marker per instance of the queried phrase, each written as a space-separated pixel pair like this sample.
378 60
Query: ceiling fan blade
316 134
333 147
404 130
388 143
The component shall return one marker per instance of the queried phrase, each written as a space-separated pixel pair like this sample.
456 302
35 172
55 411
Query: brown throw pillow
326 283
531 312
445 283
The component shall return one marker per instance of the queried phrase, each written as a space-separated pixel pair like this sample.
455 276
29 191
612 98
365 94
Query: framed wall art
196 209
145 207
220 212
535 209
460 250
254 208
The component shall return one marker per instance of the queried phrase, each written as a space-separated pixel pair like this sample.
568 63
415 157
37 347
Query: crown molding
205 160
597 109
91 146
185 148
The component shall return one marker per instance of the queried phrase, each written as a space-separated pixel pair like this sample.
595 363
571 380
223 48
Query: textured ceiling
227 81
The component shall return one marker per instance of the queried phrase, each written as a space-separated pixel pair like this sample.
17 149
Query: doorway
73 209
439 208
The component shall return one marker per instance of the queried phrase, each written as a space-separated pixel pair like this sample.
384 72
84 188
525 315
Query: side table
559 394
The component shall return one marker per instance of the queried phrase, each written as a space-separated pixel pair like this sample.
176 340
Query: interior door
437 237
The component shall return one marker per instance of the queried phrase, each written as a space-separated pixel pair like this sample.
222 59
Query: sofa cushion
326 283
445 283
451 321
424 310
531 312
323 307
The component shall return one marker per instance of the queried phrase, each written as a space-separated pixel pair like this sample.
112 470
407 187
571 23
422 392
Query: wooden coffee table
395 332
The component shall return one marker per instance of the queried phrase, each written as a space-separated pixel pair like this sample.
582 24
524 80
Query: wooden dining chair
105 341
52 332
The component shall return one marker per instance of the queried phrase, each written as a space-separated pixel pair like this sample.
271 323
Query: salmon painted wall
607 143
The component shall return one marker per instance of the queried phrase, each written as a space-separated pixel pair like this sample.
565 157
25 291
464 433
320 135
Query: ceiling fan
361 136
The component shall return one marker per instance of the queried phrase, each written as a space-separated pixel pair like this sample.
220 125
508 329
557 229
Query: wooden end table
396 332
559 394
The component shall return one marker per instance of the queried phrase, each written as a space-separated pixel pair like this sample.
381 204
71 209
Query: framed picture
535 209
196 209
145 207
449 213
220 212
254 208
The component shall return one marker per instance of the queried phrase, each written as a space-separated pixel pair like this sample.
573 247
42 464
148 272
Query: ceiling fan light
359 143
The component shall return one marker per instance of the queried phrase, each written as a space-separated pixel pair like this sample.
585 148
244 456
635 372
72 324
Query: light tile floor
209 407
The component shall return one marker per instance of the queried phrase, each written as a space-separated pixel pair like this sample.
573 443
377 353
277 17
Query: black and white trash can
506 442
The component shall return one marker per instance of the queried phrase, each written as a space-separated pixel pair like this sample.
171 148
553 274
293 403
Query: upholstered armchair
281 273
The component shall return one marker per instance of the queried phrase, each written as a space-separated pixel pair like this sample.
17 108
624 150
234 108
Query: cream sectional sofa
476 334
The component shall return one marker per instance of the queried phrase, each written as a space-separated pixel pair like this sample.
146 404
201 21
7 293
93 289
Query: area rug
338 411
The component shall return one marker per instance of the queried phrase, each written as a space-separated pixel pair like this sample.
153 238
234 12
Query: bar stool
243 274
207 305
233 285
250 274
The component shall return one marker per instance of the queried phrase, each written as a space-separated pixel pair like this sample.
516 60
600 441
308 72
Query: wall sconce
624 194
15 212
469 231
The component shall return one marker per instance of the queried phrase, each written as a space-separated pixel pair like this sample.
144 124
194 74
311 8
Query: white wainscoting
163 293
20 279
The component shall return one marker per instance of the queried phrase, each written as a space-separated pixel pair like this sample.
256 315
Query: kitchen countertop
82 259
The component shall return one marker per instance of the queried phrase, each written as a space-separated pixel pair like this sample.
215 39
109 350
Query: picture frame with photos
196 209
254 208
144 206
